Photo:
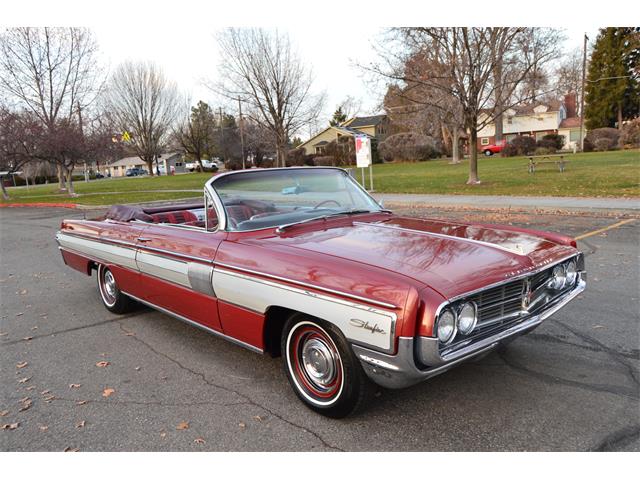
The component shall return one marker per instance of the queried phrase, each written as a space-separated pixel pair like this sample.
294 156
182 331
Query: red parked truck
303 263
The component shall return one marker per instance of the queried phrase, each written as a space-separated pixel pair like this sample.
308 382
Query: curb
39 205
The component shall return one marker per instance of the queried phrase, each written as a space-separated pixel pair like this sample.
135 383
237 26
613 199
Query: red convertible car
303 263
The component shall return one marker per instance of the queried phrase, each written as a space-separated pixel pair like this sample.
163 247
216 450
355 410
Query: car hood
451 258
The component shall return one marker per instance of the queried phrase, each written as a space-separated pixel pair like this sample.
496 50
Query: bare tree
145 104
262 69
52 73
568 75
195 134
461 64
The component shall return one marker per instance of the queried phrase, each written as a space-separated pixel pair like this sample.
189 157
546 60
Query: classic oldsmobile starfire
303 263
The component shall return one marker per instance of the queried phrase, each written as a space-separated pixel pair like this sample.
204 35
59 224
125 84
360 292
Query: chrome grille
499 302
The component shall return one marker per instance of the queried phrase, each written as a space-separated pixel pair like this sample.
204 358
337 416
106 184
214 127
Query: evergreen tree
338 118
609 101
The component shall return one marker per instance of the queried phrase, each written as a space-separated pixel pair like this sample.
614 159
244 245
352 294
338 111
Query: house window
484 141
574 136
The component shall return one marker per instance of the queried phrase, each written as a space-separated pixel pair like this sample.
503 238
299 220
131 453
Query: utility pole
222 136
241 132
584 72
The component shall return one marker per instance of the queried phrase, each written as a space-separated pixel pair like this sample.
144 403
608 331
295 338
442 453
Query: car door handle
144 239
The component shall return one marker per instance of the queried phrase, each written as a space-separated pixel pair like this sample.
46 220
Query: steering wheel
326 201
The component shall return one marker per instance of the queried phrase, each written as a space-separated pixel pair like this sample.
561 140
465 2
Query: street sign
363 151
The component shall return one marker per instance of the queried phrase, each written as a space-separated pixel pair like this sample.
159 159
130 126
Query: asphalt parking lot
573 384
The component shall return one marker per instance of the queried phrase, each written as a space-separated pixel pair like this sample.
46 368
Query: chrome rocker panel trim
401 370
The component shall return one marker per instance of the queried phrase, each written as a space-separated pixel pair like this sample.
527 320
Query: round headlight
571 272
558 278
467 318
446 326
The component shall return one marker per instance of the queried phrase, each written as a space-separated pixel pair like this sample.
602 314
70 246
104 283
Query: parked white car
207 165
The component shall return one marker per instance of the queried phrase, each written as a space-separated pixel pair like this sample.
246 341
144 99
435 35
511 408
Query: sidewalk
583 204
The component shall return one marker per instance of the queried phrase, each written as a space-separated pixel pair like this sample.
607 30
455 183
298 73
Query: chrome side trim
196 324
120 255
201 278
308 285
352 318
448 237
163 267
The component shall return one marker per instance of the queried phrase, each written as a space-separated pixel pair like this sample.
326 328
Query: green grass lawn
598 174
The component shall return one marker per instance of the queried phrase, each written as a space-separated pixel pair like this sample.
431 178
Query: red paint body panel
242 324
195 306
77 262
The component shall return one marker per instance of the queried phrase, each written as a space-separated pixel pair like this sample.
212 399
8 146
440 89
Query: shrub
233 164
266 163
295 157
408 146
520 145
630 134
544 151
602 139
323 161
552 141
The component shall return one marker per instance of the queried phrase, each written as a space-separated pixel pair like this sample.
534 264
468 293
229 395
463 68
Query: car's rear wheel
488 153
322 368
113 299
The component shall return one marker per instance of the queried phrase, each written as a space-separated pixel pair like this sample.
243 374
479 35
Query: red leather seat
178 216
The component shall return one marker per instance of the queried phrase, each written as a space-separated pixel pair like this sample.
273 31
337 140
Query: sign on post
363 157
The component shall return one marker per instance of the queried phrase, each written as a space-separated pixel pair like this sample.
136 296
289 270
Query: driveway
90 380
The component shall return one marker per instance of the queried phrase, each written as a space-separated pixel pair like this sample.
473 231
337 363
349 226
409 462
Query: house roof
343 130
370 121
572 122
529 109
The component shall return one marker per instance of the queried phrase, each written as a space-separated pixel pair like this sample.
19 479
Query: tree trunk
281 153
619 115
5 194
70 190
61 182
150 166
455 147
473 157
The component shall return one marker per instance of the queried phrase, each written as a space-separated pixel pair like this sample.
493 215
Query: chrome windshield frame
219 205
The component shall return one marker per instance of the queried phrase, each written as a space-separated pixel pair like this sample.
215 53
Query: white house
537 120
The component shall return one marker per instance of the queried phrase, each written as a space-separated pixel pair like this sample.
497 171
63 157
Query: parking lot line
601 230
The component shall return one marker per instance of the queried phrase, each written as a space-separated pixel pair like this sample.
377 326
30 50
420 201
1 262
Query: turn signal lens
446 326
467 318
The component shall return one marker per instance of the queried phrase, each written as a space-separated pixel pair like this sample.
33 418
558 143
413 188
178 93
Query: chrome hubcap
110 284
319 362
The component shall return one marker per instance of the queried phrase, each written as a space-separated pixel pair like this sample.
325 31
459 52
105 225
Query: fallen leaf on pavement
81 424
3 334
182 426
26 339
10 426
199 441
74 385
137 369
102 364
71 449
23 292
44 428
22 365
4 413
598 326
258 418
19 314
44 392
24 380
130 334
49 398
163 434
26 405
81 402
32 387
107 392
34 328
241 425
25 399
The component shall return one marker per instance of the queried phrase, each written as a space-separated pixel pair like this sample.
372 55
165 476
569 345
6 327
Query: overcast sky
189 56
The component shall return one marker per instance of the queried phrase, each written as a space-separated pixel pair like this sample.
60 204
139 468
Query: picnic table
557 159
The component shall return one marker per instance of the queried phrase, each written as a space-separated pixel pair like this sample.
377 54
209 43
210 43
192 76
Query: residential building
375 127
537 120
166 162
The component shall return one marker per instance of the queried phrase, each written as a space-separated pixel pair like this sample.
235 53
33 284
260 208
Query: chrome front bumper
403 369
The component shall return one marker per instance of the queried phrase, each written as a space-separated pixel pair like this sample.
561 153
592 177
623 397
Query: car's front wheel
322 368
488 153
113 299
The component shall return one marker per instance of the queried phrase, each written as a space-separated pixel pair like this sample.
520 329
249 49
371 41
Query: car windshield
274 198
